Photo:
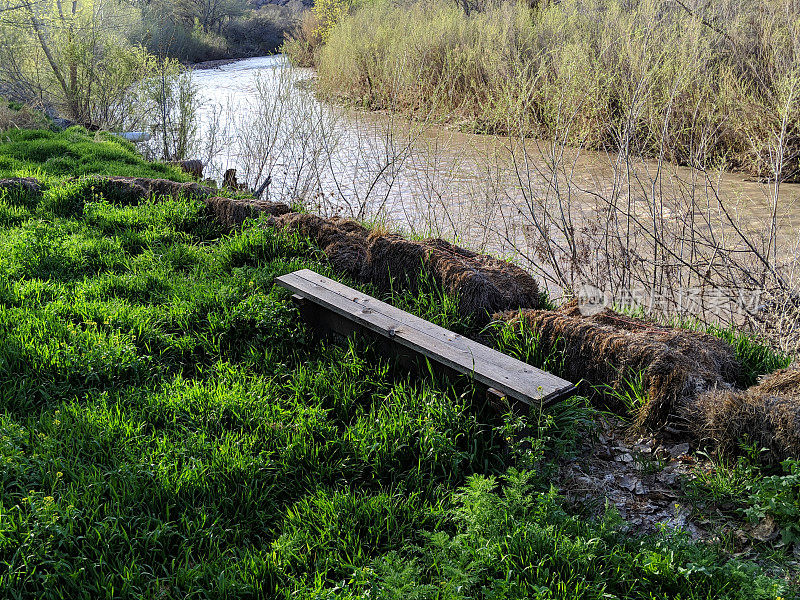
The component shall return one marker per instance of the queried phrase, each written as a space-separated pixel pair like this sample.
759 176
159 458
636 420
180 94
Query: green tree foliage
71 55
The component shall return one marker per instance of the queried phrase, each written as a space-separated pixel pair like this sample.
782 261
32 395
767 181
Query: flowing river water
426 179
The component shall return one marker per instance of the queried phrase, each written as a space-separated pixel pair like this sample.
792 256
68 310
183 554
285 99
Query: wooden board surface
510 376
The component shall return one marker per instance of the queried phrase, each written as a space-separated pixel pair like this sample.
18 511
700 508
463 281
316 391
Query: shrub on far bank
186 45
710 89
262 31
304 40
256 32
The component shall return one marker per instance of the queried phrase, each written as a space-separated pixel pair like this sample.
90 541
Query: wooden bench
334 306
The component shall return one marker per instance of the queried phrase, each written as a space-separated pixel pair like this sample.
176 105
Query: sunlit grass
72 153
170 428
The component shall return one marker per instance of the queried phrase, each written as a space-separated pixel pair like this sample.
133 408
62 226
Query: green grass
170 428
756 357
73 153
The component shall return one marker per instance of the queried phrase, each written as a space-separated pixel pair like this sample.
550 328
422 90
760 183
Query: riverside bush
711 88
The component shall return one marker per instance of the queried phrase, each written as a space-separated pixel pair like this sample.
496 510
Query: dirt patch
639 476
231 213
482 284
619 357
28 185
645 479
766 414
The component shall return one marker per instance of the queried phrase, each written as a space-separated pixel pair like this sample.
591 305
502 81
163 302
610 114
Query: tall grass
708 88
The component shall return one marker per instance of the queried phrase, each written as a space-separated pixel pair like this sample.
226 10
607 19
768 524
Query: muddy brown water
478 190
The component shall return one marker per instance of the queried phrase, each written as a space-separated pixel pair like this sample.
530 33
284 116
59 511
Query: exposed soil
645 480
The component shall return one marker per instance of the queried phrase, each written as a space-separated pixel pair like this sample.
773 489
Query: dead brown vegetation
231 213
615 355
134 189
24 118
191 167
766 415
482 284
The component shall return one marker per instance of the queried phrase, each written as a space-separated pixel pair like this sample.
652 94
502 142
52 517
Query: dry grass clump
766 415
24 118
231 213
656 371
482 284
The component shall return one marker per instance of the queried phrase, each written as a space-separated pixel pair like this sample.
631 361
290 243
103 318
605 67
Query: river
486 192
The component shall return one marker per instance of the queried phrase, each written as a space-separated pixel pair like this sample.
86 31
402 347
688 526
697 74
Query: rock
62 123
627 483
667 477
678 450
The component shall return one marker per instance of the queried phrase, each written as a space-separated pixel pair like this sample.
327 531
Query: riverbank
656 82
212 64
172 427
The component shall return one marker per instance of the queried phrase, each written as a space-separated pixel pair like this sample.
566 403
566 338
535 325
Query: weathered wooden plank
489 367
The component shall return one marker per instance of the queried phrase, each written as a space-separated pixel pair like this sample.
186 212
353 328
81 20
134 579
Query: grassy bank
711 87
73 153
170 429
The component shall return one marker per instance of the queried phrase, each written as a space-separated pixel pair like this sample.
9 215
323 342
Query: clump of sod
632 364
482 284
767 415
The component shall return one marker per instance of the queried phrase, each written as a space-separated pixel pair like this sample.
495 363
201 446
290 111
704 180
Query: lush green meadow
169 428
